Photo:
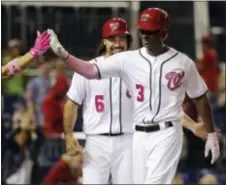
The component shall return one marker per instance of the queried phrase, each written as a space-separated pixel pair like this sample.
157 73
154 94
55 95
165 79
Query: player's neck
106 55
157 50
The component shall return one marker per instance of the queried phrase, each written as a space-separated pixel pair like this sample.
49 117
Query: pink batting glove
42 44
212 144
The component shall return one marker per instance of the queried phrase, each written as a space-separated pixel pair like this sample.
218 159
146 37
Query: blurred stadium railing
79 24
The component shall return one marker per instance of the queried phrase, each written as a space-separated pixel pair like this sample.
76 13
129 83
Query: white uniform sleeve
77 91
194 84
111 66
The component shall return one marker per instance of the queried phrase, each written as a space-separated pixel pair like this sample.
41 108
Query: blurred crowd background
32 102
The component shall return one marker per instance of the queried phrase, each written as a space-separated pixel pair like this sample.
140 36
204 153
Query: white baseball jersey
157 84
107 105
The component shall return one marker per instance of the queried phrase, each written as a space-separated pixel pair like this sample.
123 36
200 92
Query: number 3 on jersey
140 95
99 99
99 103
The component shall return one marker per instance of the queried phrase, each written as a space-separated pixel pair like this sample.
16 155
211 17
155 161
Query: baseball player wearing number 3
157 76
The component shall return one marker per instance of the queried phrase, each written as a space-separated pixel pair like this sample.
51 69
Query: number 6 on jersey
99 103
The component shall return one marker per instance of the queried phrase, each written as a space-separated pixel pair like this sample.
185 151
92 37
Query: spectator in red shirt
210 69
67 170
52 107
209 65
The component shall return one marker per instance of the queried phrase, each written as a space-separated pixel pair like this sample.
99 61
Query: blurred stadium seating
79 29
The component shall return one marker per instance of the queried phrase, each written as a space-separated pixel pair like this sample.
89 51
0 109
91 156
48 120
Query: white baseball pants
107 156
156 155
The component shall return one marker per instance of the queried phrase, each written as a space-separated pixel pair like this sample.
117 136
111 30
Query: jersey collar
162 57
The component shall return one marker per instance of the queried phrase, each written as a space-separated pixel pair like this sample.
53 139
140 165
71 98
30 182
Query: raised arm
18 64
88 70
111 67
82 67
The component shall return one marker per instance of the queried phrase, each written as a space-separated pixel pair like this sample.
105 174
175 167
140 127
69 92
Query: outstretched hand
42 44
56 46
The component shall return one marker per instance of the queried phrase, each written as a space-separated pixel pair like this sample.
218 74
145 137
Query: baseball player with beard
157 77
107 122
